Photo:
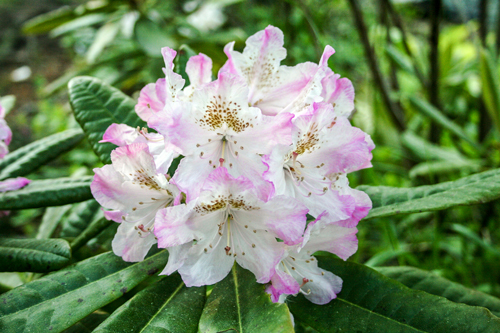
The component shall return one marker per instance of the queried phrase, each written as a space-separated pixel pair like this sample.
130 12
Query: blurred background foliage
427 82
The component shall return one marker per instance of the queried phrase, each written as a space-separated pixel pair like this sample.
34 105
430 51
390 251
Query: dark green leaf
47 192
30 157
418 279
96 106
371 302
89 323
241 304
166 306
94 229
33 255
479 188
57 301
81 216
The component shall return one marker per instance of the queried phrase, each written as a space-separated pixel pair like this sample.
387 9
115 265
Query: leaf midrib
236 285
163 306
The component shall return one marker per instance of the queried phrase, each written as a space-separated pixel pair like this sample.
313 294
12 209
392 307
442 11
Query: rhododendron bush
229 205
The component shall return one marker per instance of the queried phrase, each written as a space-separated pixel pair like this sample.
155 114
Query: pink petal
282 284
151 99
13 184
113 215
199 70
5 132
339 92
120 134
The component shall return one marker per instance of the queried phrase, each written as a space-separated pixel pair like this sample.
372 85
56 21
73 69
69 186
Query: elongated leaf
166 306
104 36
445 167
30 157
428 151
96 106
81 216
371 302
474 238
57 301
50 221
33 255
94 229
400 59
436 115
491 86
44 23
418 279
241 304
151 37
47 192
89 323
479 188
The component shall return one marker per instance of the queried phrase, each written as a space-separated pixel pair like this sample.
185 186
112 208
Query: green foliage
96 106
46 193
371 302
59 300
418 279
165 306
479 188
241 304
33 255
27 159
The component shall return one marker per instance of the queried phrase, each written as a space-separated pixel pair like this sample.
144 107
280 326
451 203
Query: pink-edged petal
129 245
282 215
324 287
362 206
4 150
5 132
120 135
259 60
13 184
320 236
282 284
174 82
199 70
176 225
151 99
113 215
339 92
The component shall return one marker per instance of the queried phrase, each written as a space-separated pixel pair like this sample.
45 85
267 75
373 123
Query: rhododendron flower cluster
262 146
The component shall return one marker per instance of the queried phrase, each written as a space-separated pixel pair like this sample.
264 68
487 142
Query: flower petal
129 245
13 184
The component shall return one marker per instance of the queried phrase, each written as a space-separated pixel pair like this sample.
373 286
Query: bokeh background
426 75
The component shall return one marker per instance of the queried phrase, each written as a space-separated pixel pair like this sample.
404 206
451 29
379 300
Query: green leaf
241 304
491 86
78 23
44 23
418 279
166 306
96 106
425 150
479 188
94 229
33 255
81 216
151 37
436 115
57 301
24 160
400 59
47 192
89 323
474 238
104 36
445 167
50 221
371 302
